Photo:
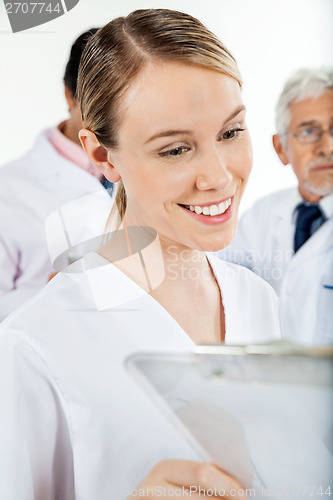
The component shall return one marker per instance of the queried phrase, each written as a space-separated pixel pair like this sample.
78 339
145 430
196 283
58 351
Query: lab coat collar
287 203
102 276
46 163
41 151
291 198
326 204
319 241
113 291
318 244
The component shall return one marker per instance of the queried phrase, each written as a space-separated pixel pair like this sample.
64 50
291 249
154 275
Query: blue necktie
305 217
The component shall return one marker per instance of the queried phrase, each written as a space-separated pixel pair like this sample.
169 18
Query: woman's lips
212 219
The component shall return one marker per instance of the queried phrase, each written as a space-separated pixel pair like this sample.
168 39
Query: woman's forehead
168 92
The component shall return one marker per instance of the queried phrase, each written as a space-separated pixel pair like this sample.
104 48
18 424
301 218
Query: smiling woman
163 115
188 148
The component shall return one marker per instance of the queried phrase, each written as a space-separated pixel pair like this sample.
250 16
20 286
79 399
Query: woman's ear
98 155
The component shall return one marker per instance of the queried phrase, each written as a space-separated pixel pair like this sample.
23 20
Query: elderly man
54 173
287 237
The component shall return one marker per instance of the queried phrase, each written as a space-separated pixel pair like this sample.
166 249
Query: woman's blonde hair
118 51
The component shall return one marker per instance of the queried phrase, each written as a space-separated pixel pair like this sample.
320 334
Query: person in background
163 117
287 237
54 172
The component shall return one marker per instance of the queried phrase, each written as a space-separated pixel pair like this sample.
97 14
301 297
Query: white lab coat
303 281
72 419
31 188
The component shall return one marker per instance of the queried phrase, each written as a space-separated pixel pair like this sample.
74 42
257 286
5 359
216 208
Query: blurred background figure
54 172
287 237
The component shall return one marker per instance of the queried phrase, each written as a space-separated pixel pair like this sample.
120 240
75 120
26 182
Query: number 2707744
32 8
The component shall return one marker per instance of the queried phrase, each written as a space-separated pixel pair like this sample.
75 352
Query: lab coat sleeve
11 298
36 460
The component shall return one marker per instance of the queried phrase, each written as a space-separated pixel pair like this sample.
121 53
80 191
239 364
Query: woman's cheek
249 155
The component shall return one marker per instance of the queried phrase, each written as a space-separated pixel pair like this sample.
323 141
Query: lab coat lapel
114 291
285 205
319 243
316 245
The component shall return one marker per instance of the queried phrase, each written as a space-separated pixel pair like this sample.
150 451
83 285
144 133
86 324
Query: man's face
312 162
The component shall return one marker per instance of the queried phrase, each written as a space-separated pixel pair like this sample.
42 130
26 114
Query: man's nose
324 145
214 172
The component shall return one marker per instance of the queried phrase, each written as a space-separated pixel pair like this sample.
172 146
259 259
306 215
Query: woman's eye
179 150
231 134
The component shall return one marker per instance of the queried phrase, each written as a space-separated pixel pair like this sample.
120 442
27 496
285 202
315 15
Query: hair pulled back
72 66
114 56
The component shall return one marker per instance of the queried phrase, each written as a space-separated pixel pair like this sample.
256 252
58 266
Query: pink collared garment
72 151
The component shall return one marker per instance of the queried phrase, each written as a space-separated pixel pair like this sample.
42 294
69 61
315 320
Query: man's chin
319 185
319 189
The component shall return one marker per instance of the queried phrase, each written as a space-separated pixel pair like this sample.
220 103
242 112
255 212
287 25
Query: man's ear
98 155
280 150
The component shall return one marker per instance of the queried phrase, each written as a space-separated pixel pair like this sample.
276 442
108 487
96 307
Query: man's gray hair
305 83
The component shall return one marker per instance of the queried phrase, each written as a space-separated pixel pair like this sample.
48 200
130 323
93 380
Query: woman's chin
215 246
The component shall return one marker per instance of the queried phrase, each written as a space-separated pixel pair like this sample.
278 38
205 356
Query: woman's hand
52 276
187 479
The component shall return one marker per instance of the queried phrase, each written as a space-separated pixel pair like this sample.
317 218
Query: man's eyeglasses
307 135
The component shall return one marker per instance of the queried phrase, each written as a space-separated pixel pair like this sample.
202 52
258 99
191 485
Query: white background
269 38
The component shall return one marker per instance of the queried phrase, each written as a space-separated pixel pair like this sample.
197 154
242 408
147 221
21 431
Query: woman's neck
190 293
137 249
177 277
184 265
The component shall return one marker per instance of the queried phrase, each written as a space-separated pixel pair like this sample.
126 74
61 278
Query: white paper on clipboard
266 418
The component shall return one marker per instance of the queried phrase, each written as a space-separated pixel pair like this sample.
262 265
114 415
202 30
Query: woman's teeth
210 209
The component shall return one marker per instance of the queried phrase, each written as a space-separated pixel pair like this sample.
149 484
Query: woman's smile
213 213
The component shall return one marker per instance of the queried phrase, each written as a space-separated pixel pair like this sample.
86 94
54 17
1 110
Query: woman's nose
214 172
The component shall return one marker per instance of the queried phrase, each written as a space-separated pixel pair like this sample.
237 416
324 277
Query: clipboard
262 413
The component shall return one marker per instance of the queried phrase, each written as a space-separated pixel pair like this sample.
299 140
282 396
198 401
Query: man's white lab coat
31 188
303 281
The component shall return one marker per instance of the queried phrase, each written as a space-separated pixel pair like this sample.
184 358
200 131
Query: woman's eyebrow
170 133
167 133
234 114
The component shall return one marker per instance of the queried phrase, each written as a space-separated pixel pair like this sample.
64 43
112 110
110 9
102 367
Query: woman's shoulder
237 274
250 303
237 283
67 290
46 332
